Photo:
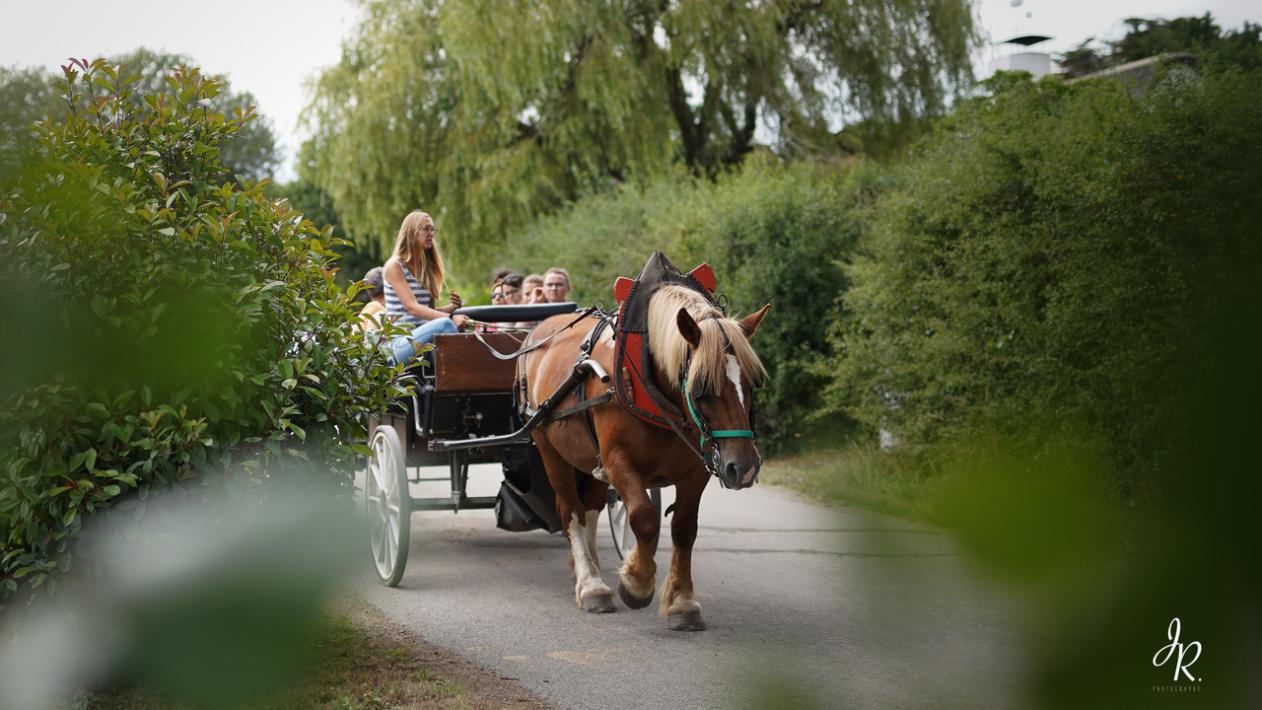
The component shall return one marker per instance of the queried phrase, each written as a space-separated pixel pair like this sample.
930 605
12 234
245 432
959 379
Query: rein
534 346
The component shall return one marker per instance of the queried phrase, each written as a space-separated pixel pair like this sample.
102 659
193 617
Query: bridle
708 440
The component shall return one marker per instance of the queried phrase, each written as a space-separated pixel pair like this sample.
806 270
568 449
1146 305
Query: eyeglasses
429 229
506 293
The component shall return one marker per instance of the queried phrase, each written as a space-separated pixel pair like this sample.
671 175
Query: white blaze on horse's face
734 375
738 458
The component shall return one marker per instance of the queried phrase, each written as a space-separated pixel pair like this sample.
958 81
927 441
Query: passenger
532 289
556 285
498 275
370 315
414 273
507 291
504 292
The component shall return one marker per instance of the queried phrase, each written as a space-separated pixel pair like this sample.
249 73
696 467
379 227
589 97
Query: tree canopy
251 153
29 95
26 96
1149 37
490 114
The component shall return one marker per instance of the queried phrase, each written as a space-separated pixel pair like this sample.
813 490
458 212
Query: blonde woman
414 274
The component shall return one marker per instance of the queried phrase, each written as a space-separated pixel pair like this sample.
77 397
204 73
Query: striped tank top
394 307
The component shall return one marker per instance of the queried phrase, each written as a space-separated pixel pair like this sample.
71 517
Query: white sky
271 47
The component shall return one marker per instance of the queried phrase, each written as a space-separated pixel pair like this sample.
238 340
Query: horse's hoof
632 601
599 604
685 621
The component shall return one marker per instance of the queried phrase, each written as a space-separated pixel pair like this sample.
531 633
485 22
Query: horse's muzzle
736 476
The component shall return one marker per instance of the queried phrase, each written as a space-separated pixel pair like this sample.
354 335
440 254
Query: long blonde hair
670 350
426 265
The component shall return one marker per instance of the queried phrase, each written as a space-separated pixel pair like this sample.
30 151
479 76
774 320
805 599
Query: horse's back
549 366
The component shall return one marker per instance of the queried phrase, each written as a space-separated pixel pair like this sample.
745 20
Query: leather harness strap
584 404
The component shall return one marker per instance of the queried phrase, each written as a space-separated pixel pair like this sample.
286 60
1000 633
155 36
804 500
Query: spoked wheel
620 522
389 506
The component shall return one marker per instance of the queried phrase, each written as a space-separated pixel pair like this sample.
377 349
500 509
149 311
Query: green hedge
159 323
773 233
1048 261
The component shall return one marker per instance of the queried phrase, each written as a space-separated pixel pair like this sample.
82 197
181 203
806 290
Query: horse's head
722 371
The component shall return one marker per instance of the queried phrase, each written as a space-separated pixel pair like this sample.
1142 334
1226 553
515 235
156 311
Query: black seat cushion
513 314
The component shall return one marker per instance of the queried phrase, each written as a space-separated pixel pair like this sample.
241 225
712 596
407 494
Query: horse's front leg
678 605
590 591
637 578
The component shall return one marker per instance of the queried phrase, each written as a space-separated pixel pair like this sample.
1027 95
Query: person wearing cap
371 314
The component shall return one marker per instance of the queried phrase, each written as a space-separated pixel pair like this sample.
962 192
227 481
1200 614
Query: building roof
1026 40
1142 69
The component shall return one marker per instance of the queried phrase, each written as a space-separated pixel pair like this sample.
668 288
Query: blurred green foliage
488 115
774 233
162 321
1106 587
1052 255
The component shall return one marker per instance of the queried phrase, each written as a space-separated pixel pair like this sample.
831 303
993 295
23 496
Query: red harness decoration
631 361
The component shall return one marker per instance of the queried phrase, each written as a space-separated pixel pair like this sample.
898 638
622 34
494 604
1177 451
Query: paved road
844 608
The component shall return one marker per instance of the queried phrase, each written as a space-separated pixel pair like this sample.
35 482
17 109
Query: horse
705 365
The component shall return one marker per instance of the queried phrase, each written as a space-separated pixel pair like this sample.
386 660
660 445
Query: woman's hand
455 301
461 322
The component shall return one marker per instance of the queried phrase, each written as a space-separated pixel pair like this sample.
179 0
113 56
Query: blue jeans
404 347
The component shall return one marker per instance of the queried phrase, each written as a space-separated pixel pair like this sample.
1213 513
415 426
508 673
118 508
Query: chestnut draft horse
688 337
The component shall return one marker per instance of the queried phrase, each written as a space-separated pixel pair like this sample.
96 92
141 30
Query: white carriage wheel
620 522
389 506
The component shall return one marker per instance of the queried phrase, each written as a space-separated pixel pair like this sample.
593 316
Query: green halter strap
702 429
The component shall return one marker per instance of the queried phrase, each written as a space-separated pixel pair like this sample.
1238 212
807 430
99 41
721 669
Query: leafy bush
160 323
773 234
29 95
1050 260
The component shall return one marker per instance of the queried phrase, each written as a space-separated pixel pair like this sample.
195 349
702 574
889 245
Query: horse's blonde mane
670 350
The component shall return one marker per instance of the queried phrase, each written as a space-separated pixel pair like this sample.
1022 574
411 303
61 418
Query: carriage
462 410
572 440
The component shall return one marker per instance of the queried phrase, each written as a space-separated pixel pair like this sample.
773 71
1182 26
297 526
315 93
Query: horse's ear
749 323
688 327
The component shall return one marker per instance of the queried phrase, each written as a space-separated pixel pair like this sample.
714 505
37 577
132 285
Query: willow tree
491 112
